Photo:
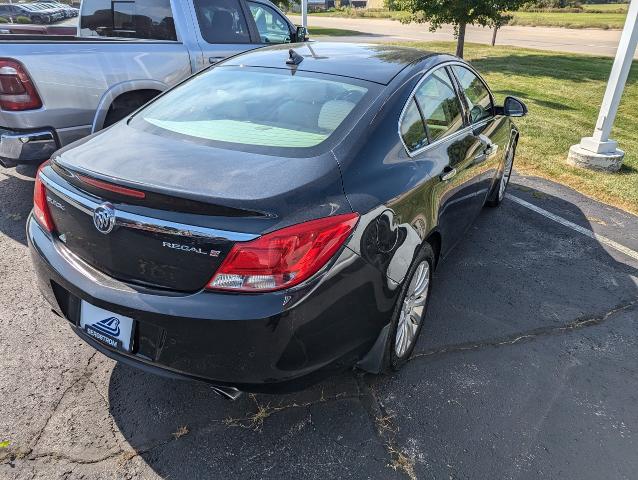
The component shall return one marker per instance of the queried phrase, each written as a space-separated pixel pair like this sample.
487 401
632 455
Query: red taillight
17 92
283 258
129 192
40 205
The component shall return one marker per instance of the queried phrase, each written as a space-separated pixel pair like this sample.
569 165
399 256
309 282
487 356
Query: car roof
372 62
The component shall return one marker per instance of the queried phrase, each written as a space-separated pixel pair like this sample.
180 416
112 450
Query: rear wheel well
127 103
434 240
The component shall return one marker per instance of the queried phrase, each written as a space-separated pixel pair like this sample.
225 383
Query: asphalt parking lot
527 368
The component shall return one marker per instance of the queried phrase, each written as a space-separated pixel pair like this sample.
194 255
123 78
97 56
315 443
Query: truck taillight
40 205
283 258
17 92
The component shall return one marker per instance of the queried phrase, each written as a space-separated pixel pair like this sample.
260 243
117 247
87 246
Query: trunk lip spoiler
145 223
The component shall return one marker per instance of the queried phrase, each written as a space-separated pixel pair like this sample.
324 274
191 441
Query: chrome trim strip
464 130
148 224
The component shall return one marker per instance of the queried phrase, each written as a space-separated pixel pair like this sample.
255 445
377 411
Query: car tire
496 196
404 331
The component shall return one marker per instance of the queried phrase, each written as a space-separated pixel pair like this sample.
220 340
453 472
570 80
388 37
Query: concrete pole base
606 162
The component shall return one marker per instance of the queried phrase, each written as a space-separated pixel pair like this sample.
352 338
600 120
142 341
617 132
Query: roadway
585 41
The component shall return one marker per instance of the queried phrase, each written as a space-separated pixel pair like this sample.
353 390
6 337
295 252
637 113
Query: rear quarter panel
391 191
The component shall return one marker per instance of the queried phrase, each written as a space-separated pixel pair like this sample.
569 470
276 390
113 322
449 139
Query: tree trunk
460 45
494 36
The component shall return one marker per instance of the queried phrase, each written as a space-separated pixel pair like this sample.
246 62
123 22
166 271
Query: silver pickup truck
57 89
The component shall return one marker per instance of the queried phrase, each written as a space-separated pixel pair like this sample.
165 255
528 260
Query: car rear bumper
269 342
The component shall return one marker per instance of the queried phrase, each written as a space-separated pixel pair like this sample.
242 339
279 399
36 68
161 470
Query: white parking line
600 238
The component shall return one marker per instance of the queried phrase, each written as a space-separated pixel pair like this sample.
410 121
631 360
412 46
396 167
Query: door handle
448 174
214 60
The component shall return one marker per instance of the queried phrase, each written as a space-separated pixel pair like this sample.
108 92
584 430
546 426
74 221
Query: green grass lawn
570 20
607 7
564 93
611 16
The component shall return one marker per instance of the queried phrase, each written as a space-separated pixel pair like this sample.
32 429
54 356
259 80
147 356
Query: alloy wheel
412 310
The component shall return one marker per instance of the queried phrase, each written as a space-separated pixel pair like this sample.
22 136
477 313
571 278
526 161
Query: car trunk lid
174 228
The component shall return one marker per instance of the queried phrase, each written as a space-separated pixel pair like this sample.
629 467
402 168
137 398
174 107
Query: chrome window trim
142 222
464 130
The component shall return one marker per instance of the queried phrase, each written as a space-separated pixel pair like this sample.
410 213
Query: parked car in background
58 89
67 10
273 216
13 11
61 13
53 14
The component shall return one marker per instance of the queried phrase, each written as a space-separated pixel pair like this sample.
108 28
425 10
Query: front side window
478 96
440 106
221 21
271 26
146 20
257 110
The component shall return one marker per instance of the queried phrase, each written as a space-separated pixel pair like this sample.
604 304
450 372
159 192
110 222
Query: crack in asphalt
13 455
255 421
386 430
338 443
530 335
85 376
380 418
130 454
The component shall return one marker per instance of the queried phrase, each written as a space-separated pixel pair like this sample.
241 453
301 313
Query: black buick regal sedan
274 217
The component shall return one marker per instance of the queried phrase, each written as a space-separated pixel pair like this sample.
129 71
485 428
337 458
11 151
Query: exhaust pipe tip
229 393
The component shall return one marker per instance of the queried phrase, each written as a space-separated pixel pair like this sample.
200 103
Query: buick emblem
104 218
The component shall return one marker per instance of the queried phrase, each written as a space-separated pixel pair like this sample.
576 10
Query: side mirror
301 34
514 107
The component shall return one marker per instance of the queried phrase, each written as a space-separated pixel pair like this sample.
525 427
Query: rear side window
221 21
412 128
271 26
146 20
477 95
265 109
440 106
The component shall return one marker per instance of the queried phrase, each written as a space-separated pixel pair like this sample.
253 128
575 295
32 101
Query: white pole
304 13
600 143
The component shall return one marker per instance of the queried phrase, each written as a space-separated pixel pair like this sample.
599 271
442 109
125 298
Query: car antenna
295 58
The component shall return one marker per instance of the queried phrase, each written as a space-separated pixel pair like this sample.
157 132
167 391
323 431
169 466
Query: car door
271 27
437 118
490 133
223 29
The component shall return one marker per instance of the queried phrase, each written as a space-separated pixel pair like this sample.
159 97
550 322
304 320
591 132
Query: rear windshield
254 107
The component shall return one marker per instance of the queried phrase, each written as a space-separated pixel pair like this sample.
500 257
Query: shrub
22 20
3 20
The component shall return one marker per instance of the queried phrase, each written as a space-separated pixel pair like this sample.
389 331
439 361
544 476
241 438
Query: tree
459 14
